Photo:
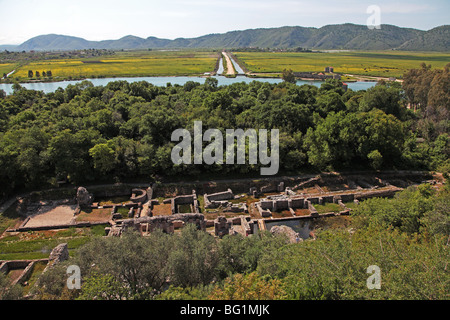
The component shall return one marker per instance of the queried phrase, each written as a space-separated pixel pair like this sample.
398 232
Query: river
47 87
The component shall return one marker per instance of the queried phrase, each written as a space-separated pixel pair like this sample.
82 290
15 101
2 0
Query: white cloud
174 14
101 19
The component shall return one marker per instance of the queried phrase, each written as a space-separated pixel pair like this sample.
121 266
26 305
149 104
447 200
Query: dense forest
86 134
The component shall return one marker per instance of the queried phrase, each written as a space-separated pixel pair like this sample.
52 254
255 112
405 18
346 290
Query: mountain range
342 36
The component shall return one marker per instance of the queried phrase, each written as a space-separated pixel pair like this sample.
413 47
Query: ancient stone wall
190 199
138 195
218 199
165 223
222 226
225 195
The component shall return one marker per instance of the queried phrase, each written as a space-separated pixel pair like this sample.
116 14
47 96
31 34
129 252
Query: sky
21 20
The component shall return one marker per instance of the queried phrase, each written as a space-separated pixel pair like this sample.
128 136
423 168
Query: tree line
37 74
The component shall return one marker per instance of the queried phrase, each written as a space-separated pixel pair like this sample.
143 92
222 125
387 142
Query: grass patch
38 268
351 205
7 68
201 203
184 208
123 211
328 207
112 200
98 230
37 249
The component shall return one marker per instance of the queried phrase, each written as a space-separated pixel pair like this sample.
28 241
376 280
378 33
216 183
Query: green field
195 62
374 63
6 68
126 64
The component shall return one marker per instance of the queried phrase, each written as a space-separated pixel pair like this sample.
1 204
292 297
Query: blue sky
113 19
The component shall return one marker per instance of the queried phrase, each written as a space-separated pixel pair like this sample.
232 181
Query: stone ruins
287 206
220 212
84 198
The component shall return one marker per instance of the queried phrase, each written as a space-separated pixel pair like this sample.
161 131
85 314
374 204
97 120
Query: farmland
369 63
6 68
124 64
77 65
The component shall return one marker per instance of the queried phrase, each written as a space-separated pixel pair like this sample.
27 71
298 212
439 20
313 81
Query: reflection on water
220 70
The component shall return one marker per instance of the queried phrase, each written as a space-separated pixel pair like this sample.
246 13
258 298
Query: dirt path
370 78
230 68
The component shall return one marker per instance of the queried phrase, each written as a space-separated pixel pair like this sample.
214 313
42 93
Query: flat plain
369 63
126 64
198 62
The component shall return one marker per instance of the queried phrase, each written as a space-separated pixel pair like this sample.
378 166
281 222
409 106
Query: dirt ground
230 68
95 215
163 209
52 216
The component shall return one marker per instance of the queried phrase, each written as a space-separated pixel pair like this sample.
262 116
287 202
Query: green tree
193 259
69 154
439 94
330 101
335 266
404 212
133 262
249 287
288 76
376 159
382 132
211 83
388 99
102 287
334 141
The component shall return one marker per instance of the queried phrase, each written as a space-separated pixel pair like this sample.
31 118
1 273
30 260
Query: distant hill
341 36
54 42
437 38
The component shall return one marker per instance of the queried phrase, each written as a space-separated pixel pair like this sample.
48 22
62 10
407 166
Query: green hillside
342 36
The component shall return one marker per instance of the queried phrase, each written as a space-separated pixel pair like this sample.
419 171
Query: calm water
237 67
162 81
220 70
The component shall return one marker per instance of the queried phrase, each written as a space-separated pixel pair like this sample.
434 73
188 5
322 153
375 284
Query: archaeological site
293 206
